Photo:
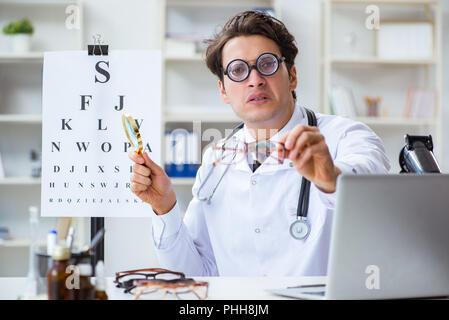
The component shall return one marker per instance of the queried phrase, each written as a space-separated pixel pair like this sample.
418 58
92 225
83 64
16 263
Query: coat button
253 182
257 230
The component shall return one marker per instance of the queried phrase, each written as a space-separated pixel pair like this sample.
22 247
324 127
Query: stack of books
420 104
182 153
342 102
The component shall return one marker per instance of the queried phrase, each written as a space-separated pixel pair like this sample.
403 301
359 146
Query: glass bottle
100 282
34 286
86 290
57 276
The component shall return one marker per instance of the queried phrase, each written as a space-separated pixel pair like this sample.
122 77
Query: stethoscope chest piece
300 229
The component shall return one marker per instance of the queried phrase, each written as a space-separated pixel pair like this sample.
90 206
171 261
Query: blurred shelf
38 2
201 116
21 118
179 58
220 3
18 243
393 75
26 66
399 121
20 181
13 57
376 61
386 2
182 181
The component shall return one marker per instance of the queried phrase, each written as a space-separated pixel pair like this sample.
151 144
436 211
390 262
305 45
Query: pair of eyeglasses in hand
233 151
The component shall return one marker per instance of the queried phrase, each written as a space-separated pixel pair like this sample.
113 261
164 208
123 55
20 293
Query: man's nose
255 79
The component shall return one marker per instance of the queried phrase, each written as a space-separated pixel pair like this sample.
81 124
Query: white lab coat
244 231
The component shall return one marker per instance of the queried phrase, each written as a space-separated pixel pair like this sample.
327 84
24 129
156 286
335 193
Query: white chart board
85 165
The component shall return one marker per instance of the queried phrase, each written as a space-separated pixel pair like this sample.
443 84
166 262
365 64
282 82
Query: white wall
445 81
135 25
123 24
302 18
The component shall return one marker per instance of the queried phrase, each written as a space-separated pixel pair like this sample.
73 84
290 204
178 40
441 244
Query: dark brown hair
250 23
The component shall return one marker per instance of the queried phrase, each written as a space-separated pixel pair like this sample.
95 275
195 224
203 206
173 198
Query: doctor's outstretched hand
306 148
151 184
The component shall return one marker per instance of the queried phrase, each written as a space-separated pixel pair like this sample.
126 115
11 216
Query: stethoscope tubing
303 200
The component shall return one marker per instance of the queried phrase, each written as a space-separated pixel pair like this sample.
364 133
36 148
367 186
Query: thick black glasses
126 279
267 64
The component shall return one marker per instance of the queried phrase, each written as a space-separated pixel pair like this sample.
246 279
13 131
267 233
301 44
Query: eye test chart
86 171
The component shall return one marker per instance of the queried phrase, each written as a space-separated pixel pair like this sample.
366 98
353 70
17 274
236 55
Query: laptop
390 239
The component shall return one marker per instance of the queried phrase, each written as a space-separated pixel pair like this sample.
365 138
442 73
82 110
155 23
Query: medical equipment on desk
417 155
299 229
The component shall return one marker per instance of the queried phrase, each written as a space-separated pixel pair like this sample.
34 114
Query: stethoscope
299 229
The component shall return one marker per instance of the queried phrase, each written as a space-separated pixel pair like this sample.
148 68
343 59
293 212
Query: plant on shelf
20 32
20 26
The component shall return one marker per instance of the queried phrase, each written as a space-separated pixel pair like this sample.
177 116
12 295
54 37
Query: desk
220 288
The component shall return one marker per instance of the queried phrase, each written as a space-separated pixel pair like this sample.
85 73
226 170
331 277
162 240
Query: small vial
100 282
52 239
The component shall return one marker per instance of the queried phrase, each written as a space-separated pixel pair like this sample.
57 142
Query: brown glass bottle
57 276
86 290
101 295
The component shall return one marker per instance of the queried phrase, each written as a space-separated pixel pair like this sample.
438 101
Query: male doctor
244 229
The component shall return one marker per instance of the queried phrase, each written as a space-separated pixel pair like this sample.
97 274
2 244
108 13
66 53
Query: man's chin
257 115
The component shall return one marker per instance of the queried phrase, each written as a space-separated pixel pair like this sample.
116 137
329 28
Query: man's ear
223 94
293 78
